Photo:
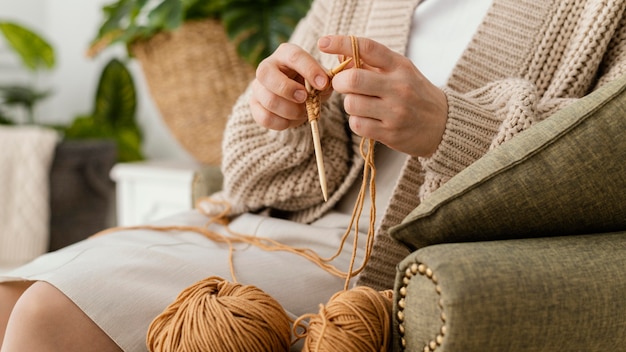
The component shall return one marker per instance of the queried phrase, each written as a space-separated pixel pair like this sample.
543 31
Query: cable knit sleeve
277 169
484 118
477 121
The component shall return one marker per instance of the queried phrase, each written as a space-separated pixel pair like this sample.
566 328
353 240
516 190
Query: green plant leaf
128 145
114 14
85 127
259 27
114 113
199 9
119 25
116 99
256 26
167 15
24 96
127 140
33 50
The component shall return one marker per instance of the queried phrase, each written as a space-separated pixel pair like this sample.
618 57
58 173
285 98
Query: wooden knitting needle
320 158
313 113
313 110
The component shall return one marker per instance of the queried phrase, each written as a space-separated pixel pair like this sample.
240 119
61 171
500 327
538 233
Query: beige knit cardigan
526 60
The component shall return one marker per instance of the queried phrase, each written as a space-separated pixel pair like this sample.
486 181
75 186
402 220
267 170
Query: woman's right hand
278 92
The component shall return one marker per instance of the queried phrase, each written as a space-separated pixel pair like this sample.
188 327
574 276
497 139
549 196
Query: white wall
69 25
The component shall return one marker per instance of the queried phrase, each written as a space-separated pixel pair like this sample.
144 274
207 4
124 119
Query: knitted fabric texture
527 60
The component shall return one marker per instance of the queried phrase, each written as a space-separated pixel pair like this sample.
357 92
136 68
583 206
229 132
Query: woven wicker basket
194 76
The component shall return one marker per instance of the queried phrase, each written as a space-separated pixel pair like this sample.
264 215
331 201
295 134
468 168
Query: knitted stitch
527 59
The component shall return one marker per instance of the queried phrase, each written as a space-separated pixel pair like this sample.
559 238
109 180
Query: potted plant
198 56
80 186
113 117
255 27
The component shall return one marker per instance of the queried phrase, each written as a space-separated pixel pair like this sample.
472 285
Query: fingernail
300 95
323 42
320 82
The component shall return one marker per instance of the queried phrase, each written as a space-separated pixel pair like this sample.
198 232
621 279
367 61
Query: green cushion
564 176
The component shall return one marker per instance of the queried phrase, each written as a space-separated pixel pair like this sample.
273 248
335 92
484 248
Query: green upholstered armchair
525 250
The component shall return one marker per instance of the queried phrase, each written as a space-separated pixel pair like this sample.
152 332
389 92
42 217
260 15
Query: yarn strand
357 319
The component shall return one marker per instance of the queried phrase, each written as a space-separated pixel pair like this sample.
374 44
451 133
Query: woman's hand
278 92
388 99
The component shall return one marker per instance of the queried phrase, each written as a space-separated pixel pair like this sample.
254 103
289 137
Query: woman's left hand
389 99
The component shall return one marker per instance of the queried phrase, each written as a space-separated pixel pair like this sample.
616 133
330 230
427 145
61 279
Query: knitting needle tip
339 68
319 158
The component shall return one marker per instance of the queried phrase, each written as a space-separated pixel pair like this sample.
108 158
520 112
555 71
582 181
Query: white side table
150 190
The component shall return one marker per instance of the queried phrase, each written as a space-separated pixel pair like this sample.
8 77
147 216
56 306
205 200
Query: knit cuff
469 131
478 121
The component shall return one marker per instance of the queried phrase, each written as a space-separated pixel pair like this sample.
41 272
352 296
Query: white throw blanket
26 154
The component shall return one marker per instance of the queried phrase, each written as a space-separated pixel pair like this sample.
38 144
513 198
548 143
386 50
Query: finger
363 106
283 72
363 82
275 104
365 127
370 51
280 83
270 120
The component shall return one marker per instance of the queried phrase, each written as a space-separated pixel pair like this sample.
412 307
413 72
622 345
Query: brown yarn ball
356 320
219 316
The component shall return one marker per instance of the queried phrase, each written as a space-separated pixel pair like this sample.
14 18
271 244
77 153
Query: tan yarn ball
219 316
357 320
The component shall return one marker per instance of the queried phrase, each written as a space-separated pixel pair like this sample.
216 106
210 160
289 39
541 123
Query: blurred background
112 111
70 26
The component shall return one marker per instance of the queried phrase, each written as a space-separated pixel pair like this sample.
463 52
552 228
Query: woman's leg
44 319
10 292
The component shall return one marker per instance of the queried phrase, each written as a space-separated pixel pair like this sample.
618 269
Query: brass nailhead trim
422 270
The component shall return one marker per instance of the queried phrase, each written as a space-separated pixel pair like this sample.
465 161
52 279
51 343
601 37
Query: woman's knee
44 316
41 299
36 319
10 292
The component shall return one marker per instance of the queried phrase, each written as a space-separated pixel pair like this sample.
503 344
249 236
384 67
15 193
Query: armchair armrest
541 294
